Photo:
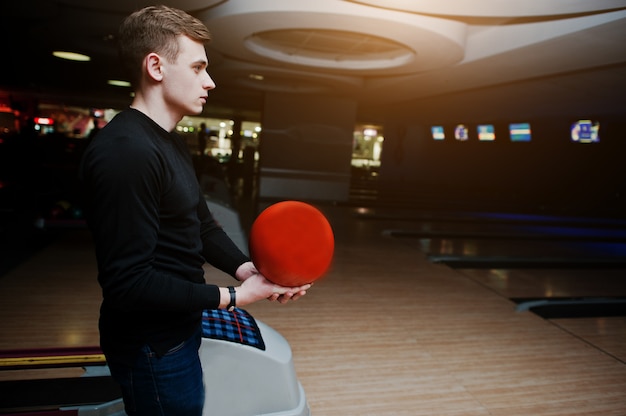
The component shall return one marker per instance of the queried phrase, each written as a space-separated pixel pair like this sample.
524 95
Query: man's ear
154 67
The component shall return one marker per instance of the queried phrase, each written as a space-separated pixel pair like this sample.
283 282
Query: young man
151 226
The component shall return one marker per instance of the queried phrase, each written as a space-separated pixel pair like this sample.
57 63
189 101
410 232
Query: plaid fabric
236 326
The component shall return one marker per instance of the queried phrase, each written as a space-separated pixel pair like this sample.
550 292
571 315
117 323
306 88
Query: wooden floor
387 332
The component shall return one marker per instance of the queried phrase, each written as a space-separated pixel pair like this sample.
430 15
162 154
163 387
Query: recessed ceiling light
71 56
118 83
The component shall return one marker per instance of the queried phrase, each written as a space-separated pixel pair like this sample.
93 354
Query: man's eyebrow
204 62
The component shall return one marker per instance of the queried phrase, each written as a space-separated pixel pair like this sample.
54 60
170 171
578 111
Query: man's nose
209 84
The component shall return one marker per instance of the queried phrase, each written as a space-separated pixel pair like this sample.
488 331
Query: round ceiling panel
350 37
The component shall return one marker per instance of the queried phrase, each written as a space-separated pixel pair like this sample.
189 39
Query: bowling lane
524 256
550 283
459 252
571 272
503 240
495 225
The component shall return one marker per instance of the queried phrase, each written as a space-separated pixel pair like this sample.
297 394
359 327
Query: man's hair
156 29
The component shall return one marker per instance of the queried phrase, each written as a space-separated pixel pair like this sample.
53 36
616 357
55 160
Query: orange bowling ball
291 243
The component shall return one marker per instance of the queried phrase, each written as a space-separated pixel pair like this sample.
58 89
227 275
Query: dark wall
306 146
550 174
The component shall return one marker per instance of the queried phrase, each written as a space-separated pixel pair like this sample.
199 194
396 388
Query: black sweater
152 232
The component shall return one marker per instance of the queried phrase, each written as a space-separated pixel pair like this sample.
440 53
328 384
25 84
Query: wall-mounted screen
585 131
437 132
486 132
520 132
461 133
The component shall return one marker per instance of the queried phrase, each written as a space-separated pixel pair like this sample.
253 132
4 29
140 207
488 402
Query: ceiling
467 57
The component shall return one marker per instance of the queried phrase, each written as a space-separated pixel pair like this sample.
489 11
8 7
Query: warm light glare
71 56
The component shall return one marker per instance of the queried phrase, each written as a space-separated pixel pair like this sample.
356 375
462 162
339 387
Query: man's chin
196 110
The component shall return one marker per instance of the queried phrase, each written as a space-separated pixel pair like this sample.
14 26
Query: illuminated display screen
460 132
437 132
486 132
585 131
520 132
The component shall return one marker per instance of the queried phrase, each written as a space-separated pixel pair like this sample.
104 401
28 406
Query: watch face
233 298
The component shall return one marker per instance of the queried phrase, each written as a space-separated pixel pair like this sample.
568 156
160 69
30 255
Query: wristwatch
233 299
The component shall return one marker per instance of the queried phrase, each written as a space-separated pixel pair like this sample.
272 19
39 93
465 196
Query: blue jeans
170 385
